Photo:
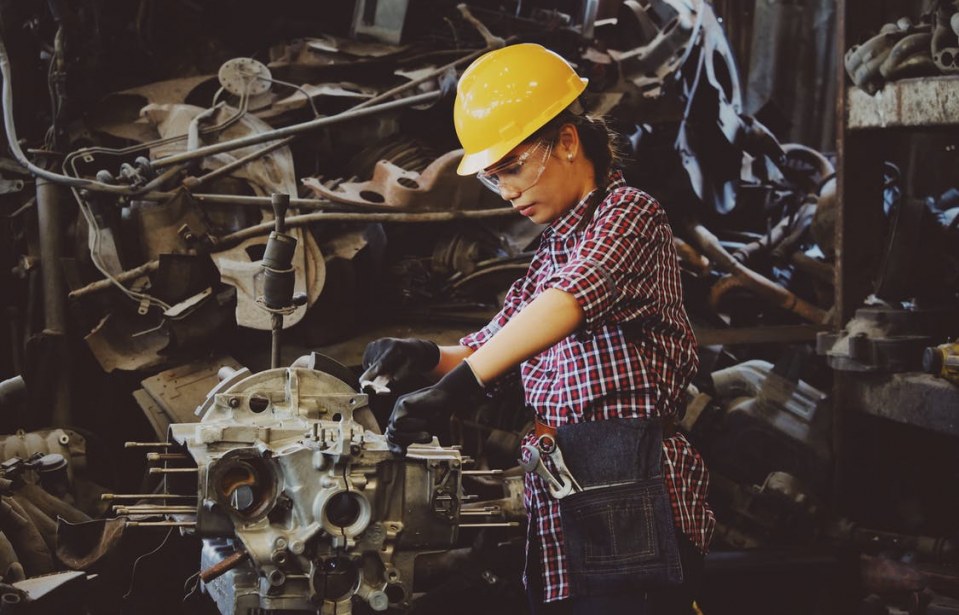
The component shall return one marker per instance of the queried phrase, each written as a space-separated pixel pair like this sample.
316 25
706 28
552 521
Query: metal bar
228 241
504 524
288 131
481 472
105 497
161 523
196 182
276 326
124 276
223 566
147 444
166 456
171 470
154 510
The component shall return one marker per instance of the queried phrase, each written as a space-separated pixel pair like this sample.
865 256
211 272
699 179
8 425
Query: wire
309 98
193 577
133 573
91 220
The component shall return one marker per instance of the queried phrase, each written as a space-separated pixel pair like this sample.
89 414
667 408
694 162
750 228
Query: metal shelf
923 102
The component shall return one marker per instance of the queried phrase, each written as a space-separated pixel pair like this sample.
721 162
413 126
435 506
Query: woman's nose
508 193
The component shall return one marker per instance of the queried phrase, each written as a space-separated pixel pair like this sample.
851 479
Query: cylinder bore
335 578
244 484
346 513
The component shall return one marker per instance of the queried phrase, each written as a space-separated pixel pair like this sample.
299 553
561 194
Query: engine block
301 505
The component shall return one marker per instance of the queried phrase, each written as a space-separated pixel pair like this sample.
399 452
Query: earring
569 156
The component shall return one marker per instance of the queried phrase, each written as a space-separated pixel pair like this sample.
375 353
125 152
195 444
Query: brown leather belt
668 423
542 429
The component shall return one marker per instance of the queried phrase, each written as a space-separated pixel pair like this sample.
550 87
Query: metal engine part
301 505
885 339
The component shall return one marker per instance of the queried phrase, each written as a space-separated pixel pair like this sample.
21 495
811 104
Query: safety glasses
518 173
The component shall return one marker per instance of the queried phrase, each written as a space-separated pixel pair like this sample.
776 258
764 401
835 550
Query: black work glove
396 361
414 413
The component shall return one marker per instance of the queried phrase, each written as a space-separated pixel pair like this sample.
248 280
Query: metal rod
196 182
295 129
105 497
172 470
147 444
481 472
276 321
125 276
431 75
228 241
166 456
154 510
161 523
504 524
223 566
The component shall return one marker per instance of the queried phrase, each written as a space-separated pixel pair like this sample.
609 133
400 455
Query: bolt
297 546
234 402
280 543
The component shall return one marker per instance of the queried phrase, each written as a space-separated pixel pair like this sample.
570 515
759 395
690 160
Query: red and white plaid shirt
621 266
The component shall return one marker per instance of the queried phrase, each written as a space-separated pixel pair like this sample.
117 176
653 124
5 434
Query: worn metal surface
915 399
176 393
931 101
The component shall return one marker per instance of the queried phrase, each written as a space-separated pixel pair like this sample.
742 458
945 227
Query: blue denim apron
618 531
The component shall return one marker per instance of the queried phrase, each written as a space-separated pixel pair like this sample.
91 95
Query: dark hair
600 144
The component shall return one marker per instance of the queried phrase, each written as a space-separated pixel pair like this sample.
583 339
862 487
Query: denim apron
618 531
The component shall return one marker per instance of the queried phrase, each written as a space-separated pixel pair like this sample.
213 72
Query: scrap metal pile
146 142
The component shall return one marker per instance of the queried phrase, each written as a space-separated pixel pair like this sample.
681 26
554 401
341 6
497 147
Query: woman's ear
568 142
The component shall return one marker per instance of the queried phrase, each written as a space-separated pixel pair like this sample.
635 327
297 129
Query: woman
605 350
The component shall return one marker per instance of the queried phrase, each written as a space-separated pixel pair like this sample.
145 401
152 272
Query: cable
133 573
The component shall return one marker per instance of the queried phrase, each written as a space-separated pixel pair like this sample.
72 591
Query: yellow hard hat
505 96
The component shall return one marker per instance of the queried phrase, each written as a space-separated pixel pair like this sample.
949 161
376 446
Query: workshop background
178 386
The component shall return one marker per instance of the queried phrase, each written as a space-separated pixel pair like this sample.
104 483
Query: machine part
437 188
12 390
70 445
654 39
245 77
945 36
780 511
172 396
863 61
770 424
278 133
741 275
271 172
911 398
289 475
942 361
885 339
279 276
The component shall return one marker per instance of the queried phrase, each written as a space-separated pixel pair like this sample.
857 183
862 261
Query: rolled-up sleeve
616 258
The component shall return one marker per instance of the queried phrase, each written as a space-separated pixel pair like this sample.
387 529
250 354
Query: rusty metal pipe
225 565
126 276
747 278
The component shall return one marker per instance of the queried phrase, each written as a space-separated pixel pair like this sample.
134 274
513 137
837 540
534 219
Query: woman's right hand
394 361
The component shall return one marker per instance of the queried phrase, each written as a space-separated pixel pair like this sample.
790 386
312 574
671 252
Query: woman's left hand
415 413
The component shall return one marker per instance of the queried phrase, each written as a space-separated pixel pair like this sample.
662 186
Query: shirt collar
572 219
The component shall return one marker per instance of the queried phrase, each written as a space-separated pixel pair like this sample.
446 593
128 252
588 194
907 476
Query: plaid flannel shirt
621 266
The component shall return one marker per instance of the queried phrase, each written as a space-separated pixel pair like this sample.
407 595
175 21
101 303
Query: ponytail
600 144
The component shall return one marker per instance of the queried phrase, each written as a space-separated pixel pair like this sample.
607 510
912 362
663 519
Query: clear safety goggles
519 173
